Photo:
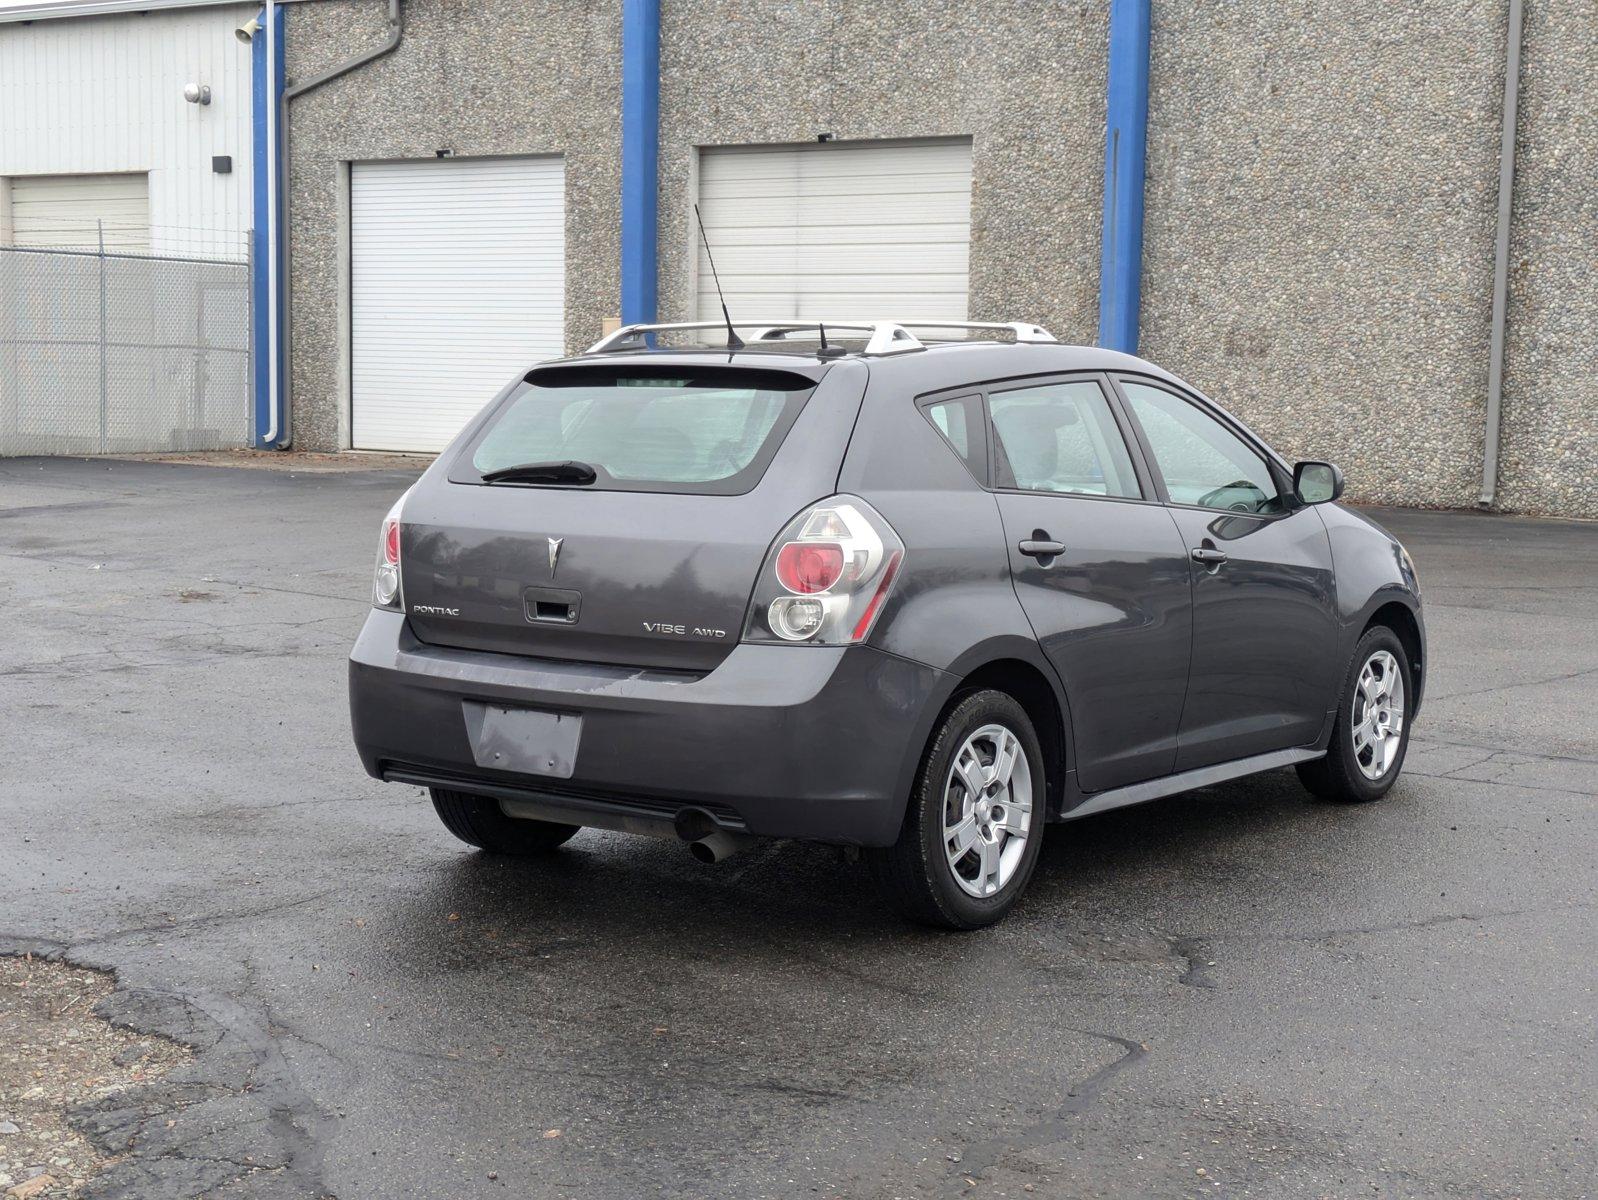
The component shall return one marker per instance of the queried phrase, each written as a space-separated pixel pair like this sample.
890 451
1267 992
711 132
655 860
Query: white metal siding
97 95
457 282
77 210
852 230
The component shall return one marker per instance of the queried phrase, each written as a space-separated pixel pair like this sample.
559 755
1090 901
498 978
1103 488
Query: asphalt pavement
1236 992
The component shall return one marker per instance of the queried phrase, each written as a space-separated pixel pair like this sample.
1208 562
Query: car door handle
1037 548
1208 556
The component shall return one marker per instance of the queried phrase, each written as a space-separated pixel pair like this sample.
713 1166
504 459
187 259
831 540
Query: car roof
955 362
937 366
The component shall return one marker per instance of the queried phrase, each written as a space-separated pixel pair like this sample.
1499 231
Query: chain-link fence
117 353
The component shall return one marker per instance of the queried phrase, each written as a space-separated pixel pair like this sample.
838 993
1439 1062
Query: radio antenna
734 342
827 351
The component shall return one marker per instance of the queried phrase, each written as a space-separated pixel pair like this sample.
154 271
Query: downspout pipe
266 90
1506 204
1126 116
640 159
396 31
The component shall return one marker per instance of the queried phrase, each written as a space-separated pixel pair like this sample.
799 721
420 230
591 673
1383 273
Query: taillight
807 568
826 577
386 579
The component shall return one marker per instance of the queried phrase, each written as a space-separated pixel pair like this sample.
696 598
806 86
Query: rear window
701 430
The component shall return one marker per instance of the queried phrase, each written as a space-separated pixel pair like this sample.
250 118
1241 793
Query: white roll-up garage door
77 211
854 230
457 281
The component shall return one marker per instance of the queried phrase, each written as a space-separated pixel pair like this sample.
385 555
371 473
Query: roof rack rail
882 337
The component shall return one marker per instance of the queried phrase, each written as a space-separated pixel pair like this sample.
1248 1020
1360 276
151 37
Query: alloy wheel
987 810
1377 719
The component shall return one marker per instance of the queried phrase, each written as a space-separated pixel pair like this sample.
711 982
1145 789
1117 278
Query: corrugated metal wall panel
100 95
851 230
457 281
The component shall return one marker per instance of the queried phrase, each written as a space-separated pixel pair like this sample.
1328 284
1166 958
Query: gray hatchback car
916 588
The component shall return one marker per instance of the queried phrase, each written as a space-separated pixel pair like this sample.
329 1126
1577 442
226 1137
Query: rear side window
960 423
1061 437
703 430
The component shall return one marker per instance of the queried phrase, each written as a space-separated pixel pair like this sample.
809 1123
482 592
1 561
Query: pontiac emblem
554 554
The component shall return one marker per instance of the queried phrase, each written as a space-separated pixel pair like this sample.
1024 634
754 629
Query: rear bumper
782 741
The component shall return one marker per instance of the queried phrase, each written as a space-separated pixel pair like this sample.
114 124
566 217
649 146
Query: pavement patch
60 1061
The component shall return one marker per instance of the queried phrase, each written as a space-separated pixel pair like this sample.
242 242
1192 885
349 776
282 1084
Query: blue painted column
266 89
640 157
1125 151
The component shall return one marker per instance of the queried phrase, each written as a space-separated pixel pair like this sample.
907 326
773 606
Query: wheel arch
1031 689
1017 667
1405 624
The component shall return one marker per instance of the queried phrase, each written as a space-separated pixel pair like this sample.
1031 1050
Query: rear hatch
649 494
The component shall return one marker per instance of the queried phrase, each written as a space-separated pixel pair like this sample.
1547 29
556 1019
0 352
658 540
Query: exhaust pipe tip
707 841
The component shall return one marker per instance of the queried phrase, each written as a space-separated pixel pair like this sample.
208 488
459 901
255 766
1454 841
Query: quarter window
960 423
1061 437
1202 461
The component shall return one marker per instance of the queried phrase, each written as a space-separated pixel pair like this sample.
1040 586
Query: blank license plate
522 739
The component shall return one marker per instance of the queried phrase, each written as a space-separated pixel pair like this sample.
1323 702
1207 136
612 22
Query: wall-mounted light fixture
197 93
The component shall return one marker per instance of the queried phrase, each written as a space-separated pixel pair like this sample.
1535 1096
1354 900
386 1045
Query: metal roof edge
50 10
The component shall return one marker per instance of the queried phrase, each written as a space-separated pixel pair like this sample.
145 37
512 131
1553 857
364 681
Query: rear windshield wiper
543 472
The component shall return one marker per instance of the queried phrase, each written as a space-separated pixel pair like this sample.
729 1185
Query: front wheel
478 821
974 827
1371 735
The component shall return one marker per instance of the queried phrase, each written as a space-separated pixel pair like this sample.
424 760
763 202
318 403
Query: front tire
974 827
1371 734
478 821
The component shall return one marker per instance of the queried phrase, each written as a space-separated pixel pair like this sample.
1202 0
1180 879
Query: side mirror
1317 482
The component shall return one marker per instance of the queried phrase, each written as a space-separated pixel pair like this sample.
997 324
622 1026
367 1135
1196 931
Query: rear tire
1367 752
478 821
974 827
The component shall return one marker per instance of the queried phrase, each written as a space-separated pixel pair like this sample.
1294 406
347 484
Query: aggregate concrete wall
1549 456
1320 204
477 77
1318 253
1024 81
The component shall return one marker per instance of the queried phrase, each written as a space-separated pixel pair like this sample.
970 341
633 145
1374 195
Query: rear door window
701 430
1060 437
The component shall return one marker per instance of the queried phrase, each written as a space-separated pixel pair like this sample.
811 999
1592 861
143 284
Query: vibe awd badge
671 630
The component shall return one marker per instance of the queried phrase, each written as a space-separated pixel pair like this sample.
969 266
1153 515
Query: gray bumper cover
820 743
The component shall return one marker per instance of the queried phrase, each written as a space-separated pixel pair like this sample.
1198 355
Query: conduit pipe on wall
396 31
266 89
1506 203
1126 115
640 158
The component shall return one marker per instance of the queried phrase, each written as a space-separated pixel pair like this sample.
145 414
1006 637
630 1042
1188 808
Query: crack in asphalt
1451 777
1509 687
1432 922
89 564
33 510
1430 740
983 1156
195 922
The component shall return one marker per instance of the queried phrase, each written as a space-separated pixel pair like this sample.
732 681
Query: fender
1371 569
997 649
